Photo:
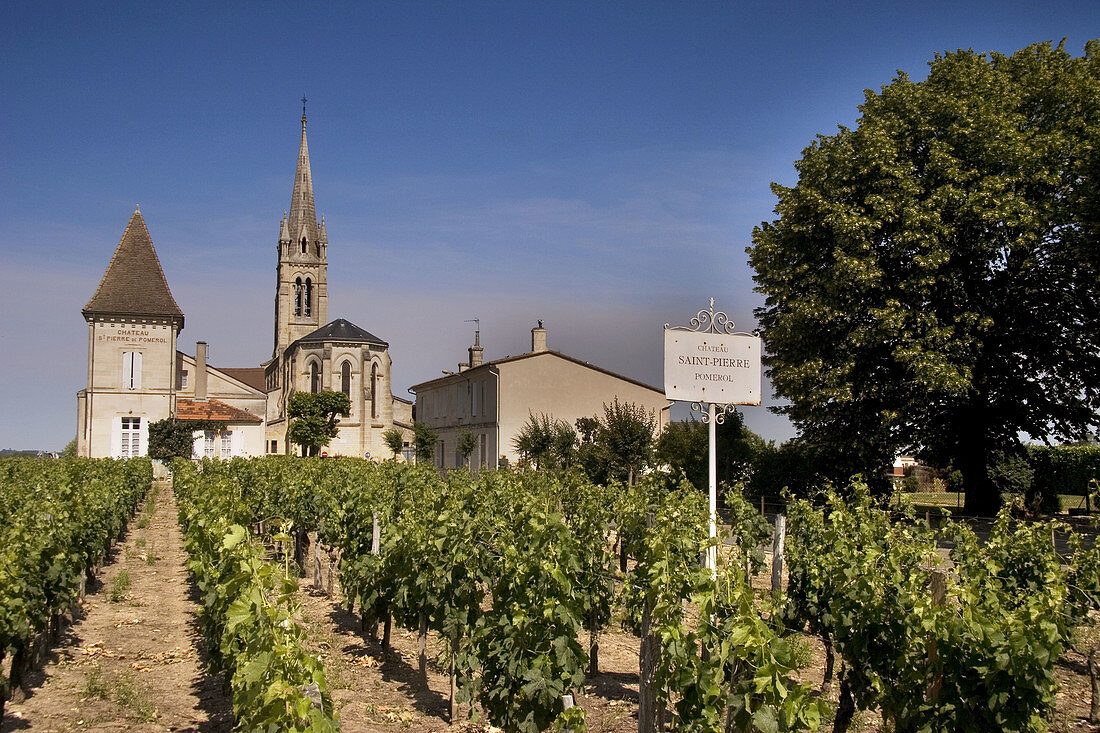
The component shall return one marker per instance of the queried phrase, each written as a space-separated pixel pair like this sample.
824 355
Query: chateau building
136 374
492 400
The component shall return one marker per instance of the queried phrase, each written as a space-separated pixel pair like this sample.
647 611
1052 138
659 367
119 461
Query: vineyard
508 585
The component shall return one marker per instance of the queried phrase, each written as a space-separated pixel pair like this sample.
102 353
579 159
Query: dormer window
303 245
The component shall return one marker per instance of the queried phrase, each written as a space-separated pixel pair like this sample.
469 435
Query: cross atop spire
304 107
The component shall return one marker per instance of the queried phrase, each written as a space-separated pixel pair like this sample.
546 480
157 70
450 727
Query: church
137 374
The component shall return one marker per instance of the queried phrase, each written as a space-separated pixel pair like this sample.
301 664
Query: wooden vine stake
777 552
422 647
566 703
315 544
376 549
1094 679
938 589
452 714
648 657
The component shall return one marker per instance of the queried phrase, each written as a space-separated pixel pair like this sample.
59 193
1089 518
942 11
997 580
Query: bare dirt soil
132 661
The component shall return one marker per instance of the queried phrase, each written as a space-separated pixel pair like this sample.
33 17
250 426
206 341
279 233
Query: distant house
492 400
902 464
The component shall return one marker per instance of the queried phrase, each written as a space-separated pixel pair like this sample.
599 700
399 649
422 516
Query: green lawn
951 500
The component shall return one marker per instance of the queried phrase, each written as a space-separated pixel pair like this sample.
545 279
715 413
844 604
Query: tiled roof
212 410
529 355
341 330
252 376
134 283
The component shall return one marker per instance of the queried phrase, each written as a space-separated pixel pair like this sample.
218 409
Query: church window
374 390
303 245
131 437
298 297
314 378
309 297
131 370
227 444
345 378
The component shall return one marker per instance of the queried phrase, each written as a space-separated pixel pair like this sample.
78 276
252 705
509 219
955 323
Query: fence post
777 551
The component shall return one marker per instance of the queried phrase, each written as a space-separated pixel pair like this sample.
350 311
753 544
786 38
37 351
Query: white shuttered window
131 370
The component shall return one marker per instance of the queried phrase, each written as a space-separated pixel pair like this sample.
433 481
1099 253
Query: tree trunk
19 667
846 708
830 661
593 644
981 496
386 626
647 666
300 550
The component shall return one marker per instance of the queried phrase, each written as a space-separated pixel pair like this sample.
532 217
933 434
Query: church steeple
301 299
303 214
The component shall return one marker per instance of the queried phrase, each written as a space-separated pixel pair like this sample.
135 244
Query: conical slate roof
134 283
303 216
341 330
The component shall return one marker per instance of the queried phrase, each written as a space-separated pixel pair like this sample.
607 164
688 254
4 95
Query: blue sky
598 165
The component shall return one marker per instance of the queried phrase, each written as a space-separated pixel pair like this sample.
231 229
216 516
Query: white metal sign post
709 362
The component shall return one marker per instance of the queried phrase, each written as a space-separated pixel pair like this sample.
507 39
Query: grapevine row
966 642
57 522
511 569
247 610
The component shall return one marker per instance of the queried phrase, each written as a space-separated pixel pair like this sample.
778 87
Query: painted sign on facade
712 367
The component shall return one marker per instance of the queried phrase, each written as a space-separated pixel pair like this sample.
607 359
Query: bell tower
301 296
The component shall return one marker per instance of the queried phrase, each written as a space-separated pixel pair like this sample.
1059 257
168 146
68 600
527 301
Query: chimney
538 338
476 351
200 371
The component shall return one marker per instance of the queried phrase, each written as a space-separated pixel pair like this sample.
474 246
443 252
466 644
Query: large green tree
625 436
546 442
170 438
685 447
314 418
424 439
932 282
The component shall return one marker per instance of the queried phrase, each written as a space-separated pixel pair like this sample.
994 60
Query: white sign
712 367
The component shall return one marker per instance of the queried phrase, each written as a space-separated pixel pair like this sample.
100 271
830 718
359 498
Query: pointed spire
134 283
284 231
303 216
324 231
